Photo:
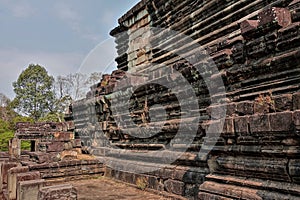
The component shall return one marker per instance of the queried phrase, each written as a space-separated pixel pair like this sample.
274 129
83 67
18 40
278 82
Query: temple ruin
254 46
204 104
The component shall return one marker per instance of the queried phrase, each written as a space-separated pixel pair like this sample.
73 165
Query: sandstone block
55 147
28 190
58 192
281 16
281 121
241 125
259 123
296 101
248 25
12 181
283 102
228 128
296 117
5 167
245 108
176 187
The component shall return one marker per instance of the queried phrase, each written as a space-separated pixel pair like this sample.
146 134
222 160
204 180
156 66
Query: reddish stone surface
255 49
259 123
281 16
296 101
28 176
281 121
248 25
176 187
4 170
55 147
241 125
64 192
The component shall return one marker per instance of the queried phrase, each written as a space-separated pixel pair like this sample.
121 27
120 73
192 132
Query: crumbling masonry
255 47
245 144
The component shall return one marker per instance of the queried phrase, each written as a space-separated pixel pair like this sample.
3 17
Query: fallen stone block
281 16
248 26
58 192
29 190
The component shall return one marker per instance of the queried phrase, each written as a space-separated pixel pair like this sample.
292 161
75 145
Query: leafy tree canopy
34 92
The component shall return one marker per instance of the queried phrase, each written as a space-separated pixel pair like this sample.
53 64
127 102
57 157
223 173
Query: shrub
4 140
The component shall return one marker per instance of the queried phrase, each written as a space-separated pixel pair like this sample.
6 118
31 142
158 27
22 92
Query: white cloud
13 62
69 15
19 9
73 19
22 10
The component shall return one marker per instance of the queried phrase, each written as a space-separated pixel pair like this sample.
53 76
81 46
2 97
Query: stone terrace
255 47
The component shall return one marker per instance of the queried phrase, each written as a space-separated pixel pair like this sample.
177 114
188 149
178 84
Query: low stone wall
50 142
31 182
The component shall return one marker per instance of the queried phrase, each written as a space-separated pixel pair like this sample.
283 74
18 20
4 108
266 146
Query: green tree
34 92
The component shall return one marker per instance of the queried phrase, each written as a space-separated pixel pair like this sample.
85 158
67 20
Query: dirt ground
106 189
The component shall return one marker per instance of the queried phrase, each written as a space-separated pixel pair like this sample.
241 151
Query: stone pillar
12 181
15 148
4 167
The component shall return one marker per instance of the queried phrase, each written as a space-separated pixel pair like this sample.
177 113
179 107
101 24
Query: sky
64 36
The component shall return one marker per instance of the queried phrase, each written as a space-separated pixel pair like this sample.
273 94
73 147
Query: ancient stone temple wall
55 156
244 128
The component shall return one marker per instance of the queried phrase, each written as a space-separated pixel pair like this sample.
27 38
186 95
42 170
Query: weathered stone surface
294 170
55 147
296 118
28 176
296 101
48 140
28 190
283 103
241 125
176 187
228 128
281 121
5 167
58 192
12 181
69 169
233 192
259 123
248 25
245 108
281 16
255 48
